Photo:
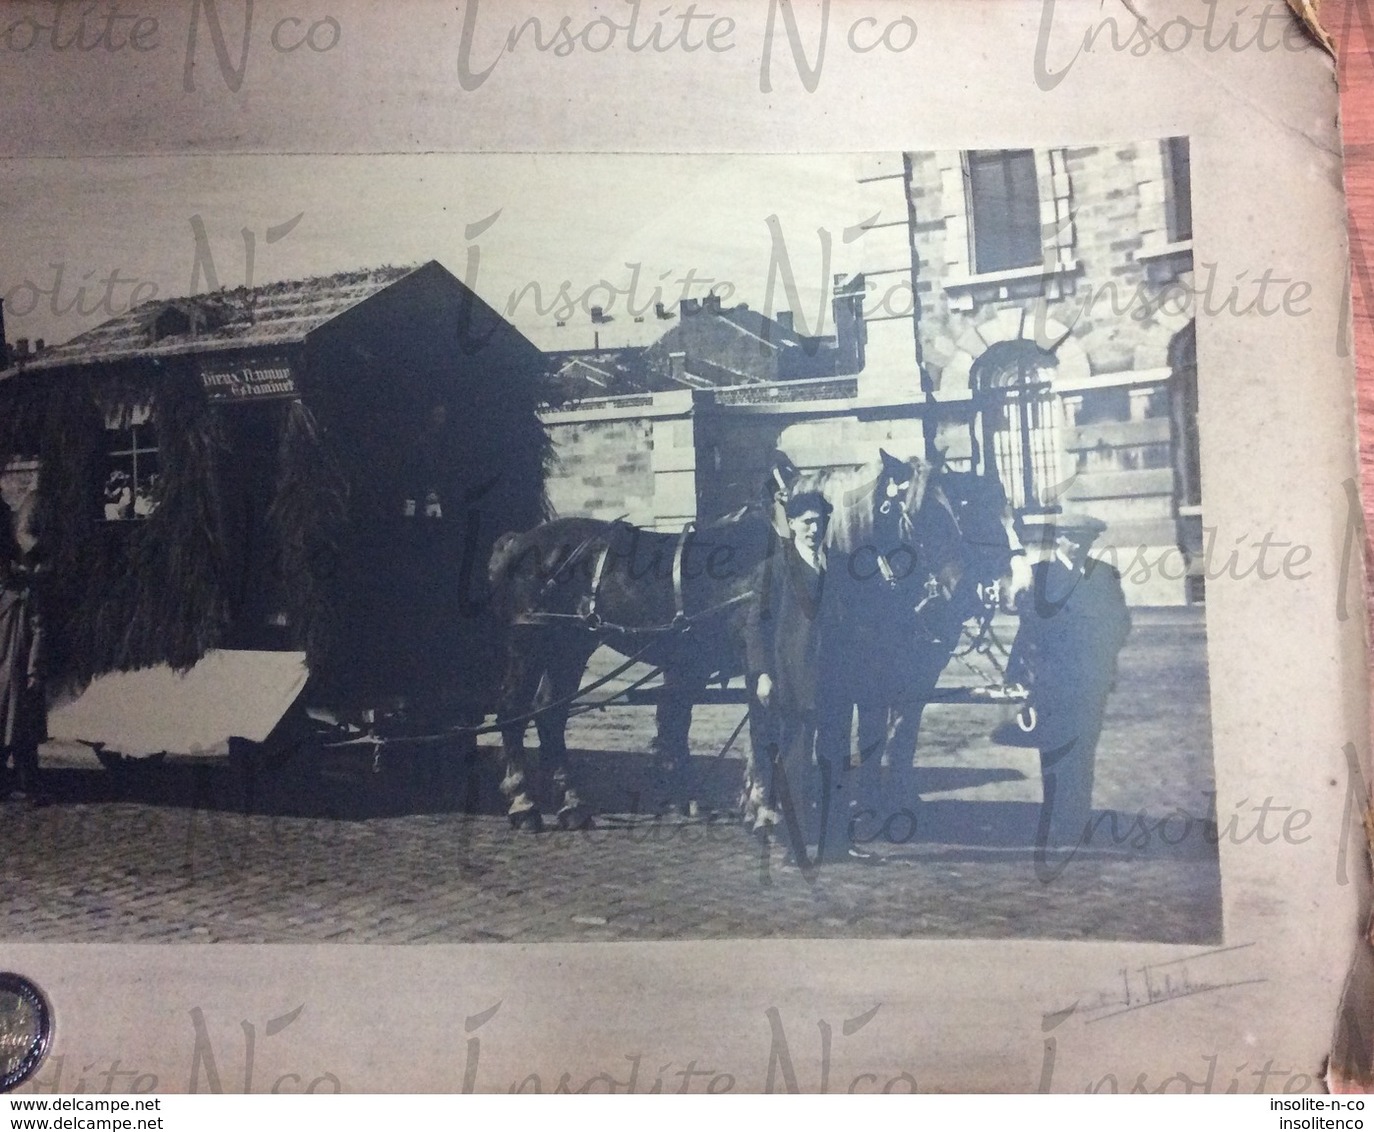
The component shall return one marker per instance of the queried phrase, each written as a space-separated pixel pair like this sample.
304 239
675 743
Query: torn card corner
1306 11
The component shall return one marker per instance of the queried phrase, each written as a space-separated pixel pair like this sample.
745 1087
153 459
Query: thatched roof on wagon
271 314
301 519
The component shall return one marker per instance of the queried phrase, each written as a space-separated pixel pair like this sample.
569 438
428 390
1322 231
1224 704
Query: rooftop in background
710 346
267 315
597 329
779 330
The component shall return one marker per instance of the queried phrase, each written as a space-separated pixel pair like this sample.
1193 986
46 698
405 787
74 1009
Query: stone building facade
1039 305
1027 313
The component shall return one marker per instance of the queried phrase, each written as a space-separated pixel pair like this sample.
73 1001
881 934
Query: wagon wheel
123 770
116 763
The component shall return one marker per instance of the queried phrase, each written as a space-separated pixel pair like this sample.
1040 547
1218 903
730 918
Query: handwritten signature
1154 983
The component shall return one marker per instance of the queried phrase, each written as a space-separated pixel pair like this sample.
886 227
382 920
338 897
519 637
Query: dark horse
669 600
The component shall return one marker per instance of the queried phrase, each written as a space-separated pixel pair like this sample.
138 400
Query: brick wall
628 457
604 469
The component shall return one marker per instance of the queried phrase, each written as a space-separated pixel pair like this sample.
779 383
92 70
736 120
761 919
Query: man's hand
1015 595
764 690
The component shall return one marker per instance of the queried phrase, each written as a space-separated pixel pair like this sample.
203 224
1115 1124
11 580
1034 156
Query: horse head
916 523
992 553
898 496
945 538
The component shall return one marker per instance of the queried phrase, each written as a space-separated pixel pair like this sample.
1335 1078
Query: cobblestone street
203 853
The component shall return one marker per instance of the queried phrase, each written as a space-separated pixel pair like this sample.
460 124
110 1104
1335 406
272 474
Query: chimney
851 334
21 347
785 320
37 345
712 304
689 307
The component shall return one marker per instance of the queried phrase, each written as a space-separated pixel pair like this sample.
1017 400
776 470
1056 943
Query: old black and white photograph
584 548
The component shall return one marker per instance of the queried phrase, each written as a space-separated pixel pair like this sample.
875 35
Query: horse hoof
530 821
574 818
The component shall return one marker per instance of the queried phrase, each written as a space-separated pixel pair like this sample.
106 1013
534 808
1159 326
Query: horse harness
936 590
933 588
589 616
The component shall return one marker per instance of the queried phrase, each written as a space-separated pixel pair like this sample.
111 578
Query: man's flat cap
1078 523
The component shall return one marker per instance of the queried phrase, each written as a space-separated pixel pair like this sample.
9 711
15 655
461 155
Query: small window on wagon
132 472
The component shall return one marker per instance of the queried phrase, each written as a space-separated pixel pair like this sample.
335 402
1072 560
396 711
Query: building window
19 491
131 465
1178 190
1004 209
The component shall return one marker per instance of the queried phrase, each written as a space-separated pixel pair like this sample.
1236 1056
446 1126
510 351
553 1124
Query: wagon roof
272 314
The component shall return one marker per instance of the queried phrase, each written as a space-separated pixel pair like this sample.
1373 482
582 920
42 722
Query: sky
572 219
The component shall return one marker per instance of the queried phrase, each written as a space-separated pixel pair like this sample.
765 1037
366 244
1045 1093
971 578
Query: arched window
1018 416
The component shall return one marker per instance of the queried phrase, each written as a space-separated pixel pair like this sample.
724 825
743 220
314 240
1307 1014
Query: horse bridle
935 588
898 492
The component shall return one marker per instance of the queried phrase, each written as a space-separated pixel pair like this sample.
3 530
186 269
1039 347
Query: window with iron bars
1021 422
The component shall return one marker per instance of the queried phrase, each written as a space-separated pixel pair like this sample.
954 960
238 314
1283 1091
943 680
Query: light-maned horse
925 549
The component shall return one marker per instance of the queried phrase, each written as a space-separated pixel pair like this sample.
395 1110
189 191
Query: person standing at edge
790 626
23 715
1074 622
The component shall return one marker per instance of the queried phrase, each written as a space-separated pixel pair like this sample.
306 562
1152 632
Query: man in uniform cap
1073 623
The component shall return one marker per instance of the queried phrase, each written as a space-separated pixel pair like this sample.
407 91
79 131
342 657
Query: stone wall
603 468
1110 278
698 457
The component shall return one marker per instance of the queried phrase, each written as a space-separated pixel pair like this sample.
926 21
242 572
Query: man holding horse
791 632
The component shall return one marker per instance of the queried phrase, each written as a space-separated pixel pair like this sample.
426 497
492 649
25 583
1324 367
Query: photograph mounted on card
535 570
419 586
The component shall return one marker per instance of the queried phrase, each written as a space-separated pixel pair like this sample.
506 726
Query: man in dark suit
790 631
1073 624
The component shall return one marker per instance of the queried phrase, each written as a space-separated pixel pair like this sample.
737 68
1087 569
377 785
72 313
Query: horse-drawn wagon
257 502
291 511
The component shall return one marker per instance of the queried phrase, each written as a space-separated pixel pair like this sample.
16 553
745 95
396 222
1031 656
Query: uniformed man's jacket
1072 628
